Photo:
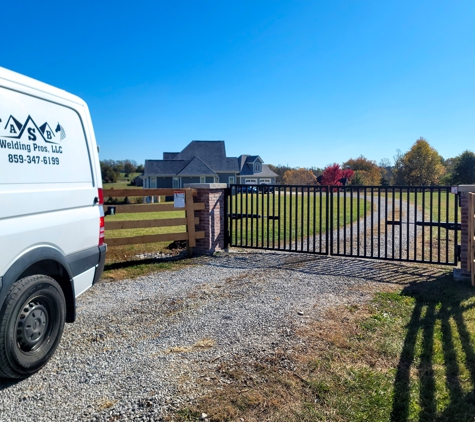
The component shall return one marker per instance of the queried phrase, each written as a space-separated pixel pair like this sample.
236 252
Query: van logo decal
61 131
14 129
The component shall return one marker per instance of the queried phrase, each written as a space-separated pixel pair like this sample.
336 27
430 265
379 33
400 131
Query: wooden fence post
190 226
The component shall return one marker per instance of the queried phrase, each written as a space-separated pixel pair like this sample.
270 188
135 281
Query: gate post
464 271
212 217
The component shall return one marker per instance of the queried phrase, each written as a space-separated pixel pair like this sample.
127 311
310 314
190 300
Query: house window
176 182
153 182
250 181
257 167
202 179
216 180
265 181
231 180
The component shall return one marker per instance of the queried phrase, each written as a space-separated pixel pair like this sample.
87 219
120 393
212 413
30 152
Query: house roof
247 159
248 170
196 167
164 167
212 153
204 158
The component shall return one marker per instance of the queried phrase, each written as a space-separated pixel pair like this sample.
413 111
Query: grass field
122 182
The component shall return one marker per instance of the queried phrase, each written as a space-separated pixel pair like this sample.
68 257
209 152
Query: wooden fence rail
471 236
189 220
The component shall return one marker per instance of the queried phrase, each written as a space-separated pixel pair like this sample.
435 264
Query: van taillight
101 231
100 194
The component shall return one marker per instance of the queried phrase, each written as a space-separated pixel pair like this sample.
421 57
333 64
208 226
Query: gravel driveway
140 347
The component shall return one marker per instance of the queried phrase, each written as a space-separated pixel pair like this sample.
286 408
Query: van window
41 141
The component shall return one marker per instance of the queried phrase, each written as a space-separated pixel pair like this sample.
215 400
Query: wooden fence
189 220
471 236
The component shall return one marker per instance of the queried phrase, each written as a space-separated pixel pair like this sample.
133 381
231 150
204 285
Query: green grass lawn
410 358
123 182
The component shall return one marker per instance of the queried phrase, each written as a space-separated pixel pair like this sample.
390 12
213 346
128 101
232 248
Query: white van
51 218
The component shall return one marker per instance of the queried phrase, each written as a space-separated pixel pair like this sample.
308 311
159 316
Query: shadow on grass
439 349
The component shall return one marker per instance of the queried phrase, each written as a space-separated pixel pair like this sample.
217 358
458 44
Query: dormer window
257 167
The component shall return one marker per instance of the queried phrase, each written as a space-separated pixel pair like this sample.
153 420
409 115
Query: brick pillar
212 220
464 270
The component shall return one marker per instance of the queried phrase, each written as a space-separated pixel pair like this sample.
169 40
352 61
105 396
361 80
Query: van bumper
100 265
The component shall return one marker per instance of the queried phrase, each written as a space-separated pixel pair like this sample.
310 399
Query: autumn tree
463 170
366 172
299 176
317 171
421 165
333 174
280 171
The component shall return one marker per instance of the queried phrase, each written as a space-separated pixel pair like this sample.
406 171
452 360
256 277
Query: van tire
32 322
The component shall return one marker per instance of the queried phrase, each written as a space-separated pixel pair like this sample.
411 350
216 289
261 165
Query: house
205 162
138 181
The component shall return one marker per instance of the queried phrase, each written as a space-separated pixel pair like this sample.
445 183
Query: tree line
111 169
420 166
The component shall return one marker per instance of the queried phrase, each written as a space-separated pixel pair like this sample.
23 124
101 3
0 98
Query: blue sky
303 83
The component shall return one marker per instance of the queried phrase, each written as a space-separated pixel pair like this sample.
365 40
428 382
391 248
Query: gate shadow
383 271
438 327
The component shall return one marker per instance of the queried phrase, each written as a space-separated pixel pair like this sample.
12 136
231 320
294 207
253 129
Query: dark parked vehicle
266 188
246 189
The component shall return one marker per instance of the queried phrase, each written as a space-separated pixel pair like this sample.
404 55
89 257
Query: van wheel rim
32 324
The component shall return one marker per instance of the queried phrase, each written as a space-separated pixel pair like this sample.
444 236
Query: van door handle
96 200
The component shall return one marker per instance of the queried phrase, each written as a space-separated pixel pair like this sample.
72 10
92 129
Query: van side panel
51 218
48 187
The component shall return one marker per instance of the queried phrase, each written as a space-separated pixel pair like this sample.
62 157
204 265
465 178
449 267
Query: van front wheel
31 324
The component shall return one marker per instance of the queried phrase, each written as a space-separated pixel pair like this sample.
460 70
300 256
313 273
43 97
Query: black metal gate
402 223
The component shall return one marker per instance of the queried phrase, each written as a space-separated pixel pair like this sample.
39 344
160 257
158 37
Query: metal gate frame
471 237
347 221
